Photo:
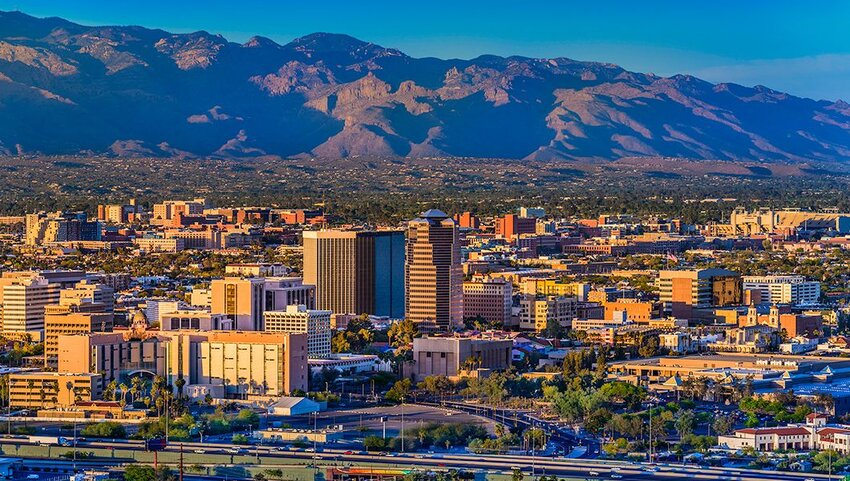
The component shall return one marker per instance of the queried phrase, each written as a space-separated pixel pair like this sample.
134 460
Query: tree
356 337
400 391
401 333
723 424
436 385
685 423
139 472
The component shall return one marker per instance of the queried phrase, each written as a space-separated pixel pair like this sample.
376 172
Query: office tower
433 273
511 226
45 228
685 290
356 272
65 319
245 299
297 319
240 299
489 300
23 299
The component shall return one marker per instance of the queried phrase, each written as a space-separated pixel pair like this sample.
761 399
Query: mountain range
66 89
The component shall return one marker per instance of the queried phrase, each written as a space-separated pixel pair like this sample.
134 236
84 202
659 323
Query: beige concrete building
194 319
245 299
60 320
451 356
34 390
240 364
535 312
553 287
433 272
297 319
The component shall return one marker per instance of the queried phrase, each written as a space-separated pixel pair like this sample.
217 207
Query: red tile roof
783 431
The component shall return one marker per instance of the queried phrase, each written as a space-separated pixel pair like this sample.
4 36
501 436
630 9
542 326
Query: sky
794 46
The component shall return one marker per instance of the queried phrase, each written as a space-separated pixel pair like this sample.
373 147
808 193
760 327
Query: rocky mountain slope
131 91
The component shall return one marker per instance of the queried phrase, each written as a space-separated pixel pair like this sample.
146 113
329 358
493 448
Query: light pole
402 424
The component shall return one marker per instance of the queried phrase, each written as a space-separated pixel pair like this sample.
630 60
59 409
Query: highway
265 456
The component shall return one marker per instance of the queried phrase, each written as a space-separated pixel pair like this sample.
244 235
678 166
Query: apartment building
45 228
554 287
297 319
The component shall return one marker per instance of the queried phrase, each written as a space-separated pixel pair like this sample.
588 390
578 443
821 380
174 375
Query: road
267 457
564 438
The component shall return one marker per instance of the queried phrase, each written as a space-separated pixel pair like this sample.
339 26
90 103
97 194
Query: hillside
131 91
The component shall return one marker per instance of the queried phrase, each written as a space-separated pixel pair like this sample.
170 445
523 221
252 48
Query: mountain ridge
66 89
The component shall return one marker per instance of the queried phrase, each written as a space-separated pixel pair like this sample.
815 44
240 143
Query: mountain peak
258 41
340 48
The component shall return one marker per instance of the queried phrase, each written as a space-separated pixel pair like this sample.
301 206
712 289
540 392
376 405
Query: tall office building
356 272
23 299
433 275
684 290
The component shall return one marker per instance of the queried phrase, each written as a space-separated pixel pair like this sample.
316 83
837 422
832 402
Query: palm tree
123 388
71 392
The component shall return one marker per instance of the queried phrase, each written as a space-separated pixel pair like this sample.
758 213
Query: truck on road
49 440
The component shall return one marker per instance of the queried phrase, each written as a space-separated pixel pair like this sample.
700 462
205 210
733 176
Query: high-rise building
23 299
433 272
166 212
241 299
45 228
59 320
356 272
511 226
684 290
489 300
297 319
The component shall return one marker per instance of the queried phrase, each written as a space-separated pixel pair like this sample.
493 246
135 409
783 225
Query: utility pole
74 453
181 461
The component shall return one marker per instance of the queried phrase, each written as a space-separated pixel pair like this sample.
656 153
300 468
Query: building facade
298 319
356 272
433 274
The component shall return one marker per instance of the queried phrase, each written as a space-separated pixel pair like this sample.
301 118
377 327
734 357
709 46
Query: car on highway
348 453
200 451
616 476
32 476
593 473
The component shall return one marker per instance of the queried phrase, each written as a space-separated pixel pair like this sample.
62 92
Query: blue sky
799 47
